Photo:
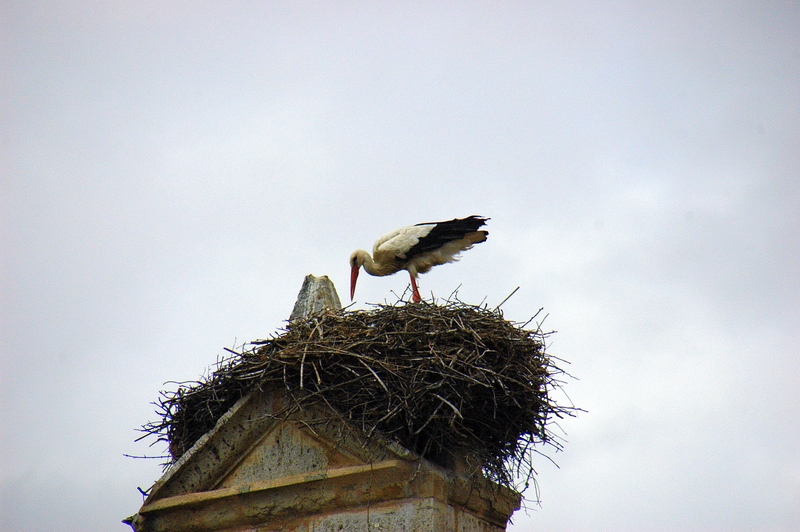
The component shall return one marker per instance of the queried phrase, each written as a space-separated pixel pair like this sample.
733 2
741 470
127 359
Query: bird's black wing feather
444 232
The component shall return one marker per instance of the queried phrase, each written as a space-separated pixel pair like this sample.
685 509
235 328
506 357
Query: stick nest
447 381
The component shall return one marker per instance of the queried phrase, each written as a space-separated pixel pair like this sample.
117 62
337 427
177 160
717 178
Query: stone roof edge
323 491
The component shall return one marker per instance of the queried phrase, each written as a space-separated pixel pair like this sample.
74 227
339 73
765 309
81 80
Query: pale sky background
171 171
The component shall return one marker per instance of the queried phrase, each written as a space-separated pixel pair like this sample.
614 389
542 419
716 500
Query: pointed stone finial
316 294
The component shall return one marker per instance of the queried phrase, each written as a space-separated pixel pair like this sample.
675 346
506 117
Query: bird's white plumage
398 242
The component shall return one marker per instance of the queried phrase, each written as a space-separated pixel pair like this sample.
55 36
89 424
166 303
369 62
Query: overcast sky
172 170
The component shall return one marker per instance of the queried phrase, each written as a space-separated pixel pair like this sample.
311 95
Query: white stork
417 249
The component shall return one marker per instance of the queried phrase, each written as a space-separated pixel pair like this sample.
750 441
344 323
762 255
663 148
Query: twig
506 299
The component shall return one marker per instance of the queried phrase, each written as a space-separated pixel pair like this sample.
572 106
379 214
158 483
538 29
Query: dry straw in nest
448 381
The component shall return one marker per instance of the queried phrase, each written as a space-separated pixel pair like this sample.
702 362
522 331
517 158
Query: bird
417 249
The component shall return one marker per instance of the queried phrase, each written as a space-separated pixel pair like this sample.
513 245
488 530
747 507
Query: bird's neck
369 264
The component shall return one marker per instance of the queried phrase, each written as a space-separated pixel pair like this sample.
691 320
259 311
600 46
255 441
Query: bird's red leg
415 297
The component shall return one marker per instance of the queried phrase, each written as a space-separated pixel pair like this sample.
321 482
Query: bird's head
356 262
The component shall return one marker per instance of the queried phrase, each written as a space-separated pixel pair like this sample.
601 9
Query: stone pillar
317 293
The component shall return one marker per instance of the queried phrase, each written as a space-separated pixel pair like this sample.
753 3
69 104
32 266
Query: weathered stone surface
403 516
219 450
397 494
316 294
285 451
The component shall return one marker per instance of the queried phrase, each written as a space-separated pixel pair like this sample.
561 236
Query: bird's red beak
353 278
